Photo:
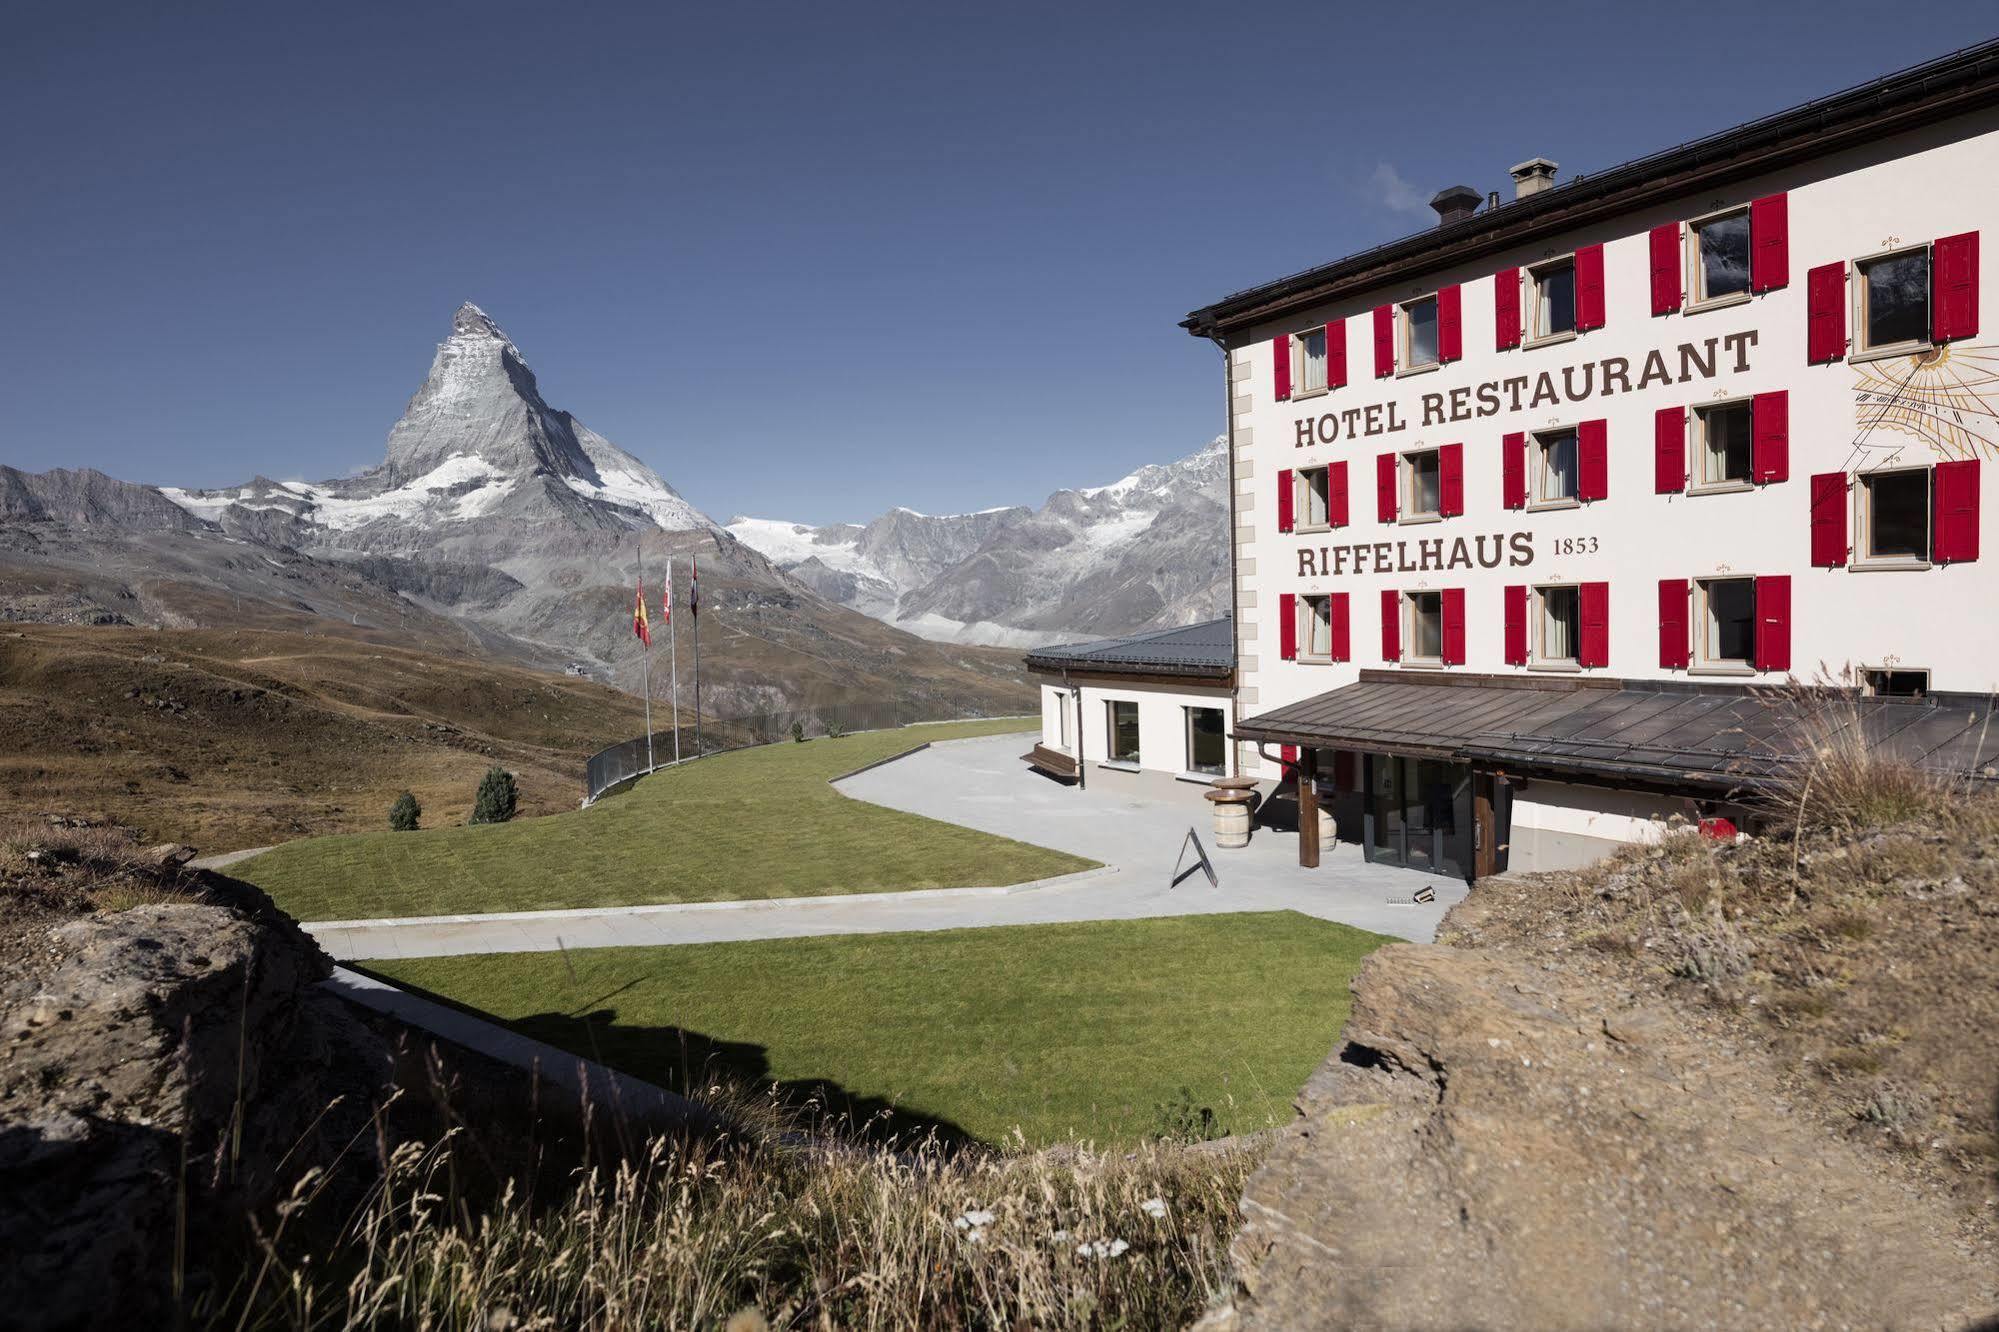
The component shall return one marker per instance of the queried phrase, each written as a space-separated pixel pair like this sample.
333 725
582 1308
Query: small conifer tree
497 796
405 813
798 731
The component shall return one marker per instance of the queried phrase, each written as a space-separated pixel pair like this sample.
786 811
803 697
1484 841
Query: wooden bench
1051 761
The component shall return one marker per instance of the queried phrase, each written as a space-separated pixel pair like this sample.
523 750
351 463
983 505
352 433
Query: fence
617 764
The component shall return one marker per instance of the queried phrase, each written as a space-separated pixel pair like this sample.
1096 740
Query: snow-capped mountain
1149 550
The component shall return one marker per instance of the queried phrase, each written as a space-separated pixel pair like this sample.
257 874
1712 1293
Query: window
1419 333
1207 747
1723 449
1895 515
1315 491
1727 615
1422 484
1318 628
1124 731
1721 257
1311 354
1556 469
1894 682
1894 293
1554 298
1426 625
1558 633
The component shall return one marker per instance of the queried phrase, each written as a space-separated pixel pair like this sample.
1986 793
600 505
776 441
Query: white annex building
1154 701
1530 510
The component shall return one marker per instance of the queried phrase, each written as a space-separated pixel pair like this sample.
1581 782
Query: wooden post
1485 826
1308 807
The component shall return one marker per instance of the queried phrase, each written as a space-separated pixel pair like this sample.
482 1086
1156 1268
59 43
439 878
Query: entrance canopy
1669 733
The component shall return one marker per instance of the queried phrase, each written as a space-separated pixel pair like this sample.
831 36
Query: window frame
1537 466
1697 299
1405 486
1697 482
1300 360
1187 711
1700 660
1309 616
1537 646
1062 741
1302 494
1530 275
1859 349
1410 619
1111 758
1863 520
1405 336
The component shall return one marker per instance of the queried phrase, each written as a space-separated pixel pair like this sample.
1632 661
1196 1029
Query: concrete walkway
1134 823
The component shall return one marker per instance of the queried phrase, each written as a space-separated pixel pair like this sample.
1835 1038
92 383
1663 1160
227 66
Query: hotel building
1533 511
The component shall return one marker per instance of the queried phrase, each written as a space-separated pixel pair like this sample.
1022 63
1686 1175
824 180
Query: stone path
1135 823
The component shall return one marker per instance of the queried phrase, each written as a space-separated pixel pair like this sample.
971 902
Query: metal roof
1949 85
1206 649
1668 732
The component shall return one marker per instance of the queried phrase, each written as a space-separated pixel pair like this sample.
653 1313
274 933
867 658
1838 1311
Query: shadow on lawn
689 1063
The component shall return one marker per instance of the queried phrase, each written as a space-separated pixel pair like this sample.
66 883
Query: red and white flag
666 600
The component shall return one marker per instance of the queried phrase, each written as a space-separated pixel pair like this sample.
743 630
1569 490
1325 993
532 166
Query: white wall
1932 183
1560 825
1162 743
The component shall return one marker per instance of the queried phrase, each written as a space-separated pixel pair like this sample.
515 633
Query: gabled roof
1922 94
1720 737
1205 650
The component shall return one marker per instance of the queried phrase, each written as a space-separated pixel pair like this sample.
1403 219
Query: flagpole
673 656
694 614
646 650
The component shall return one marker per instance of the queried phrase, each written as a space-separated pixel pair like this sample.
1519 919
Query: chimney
1532 176
1455 204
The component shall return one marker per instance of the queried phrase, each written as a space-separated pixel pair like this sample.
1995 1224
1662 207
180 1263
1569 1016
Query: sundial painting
1947 397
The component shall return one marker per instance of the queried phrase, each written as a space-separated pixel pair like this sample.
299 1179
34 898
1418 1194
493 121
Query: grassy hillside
756 823
228 739
1104 1030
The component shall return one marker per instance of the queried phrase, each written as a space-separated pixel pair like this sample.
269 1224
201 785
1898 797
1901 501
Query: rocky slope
1699 1086
494 519
1148 551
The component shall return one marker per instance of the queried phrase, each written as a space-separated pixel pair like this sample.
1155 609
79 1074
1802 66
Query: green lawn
755 823
1076 1030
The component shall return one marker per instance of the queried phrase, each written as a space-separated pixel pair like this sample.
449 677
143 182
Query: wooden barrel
1329 829
1231 823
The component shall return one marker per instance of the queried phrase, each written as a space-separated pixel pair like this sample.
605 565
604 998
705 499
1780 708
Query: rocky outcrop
1495 1145
165 1074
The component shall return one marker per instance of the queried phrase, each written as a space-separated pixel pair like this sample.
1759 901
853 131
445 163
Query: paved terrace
1134 823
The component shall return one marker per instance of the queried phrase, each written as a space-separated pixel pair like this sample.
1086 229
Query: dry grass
691 1234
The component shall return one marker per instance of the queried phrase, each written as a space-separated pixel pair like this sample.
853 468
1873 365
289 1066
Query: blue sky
808 261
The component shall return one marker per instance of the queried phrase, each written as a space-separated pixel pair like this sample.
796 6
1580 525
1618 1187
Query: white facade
1077 720
1857 415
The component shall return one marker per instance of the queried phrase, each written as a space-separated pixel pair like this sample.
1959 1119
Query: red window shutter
1506 308
1384 341
1773 623
1589 287
1336 494
1286 499
1829 520
1454 626
1384 487
1340 611
1769 243
1674 647
1593 460
1336 353
1513 470
1288 755
1280 365
1391 624
1770 437
1954 538
1451 480
1287 626
1954 284
1450 324
1825 313
1669 450
1665 268
1593 649
1516 624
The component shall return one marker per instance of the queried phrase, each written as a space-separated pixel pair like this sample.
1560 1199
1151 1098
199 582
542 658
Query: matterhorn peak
474 322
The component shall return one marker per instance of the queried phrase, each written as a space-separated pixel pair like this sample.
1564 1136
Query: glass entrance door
1418 814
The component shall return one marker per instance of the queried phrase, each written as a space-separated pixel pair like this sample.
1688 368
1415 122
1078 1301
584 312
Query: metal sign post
1201 861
